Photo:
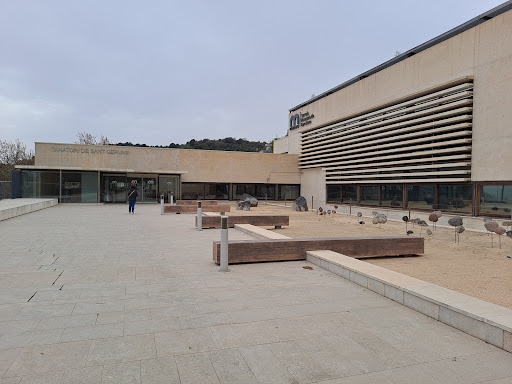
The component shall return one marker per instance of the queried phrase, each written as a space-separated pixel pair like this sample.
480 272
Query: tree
86 138
11 154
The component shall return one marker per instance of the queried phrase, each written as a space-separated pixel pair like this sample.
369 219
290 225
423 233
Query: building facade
429 129
95 173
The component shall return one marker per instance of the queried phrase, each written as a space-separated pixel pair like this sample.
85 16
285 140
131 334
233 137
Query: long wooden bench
276 221
251 251
193 209
194 202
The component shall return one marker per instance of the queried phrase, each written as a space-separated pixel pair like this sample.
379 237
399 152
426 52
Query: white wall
312 184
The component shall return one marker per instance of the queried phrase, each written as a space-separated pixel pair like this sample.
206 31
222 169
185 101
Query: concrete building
95 173
431 128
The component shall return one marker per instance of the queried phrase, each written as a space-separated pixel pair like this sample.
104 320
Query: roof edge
411 52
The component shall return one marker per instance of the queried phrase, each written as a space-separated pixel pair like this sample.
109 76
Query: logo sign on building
300 120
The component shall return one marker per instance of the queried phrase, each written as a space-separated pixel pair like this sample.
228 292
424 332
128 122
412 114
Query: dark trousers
131 206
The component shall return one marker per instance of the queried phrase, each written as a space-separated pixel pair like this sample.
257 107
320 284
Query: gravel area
471 267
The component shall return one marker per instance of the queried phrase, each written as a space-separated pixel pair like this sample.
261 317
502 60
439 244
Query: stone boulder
251 199
300 204
243 205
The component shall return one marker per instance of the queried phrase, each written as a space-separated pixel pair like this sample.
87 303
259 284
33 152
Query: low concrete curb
259 233
486 321
18 207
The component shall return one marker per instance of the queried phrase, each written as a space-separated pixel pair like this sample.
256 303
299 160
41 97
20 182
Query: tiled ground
90 294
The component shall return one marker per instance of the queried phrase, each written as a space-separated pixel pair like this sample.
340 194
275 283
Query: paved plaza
90 294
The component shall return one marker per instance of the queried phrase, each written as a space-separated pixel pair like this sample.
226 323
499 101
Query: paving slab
90 294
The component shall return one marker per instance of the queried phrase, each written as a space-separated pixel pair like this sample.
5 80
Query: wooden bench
251 251
259 220
194 202
193 209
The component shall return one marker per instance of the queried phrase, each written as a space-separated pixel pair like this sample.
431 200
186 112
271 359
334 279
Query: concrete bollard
224 244
199 216
161 204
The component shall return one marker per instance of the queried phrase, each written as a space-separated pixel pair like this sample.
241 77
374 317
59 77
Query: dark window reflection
421 196
288 192
370 195
456 198
333 193
391 196
79 187
349 194
496 199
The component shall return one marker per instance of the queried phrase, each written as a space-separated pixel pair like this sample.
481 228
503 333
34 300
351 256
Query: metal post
312 202
161 204
172 198
224 244
199 216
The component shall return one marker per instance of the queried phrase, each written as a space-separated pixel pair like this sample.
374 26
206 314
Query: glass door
113 189
149 189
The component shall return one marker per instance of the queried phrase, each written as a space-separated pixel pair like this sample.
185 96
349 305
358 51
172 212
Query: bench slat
193 209
250 251
258 220
194 202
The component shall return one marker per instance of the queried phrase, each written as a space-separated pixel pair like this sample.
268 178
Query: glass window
266 191
349 194
457 198
370 195
421 196
79 187
167 185
333 193
40 184
495 199
240 189
289 192
391 196
216 191
259 191
192 191
113 188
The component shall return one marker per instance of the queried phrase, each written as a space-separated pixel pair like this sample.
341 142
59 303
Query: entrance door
146 187
114 189
149 189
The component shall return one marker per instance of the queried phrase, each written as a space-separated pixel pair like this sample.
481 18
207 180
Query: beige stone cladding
193 165
483 53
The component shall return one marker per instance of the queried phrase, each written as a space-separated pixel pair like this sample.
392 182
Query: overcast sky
157 72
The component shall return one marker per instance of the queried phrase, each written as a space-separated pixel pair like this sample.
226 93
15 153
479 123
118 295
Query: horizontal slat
412 101
398 162
388 131
400 118
402 181
413 148
400 147
405 168
397 140
413 155
405 174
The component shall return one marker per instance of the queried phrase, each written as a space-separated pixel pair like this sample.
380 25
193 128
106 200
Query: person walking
132 198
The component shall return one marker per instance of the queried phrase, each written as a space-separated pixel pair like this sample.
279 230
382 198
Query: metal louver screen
426 138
